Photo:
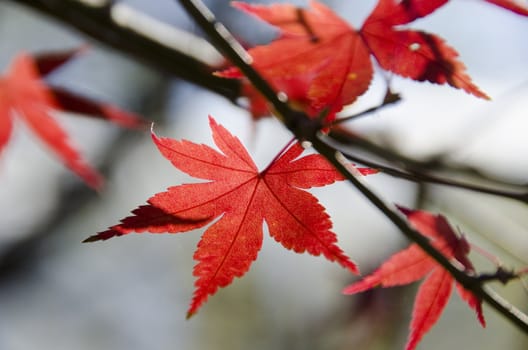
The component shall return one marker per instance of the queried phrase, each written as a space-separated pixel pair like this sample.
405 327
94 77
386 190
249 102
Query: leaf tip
405 211
212 121
155 137
475 91
240 5
103 236
363 285
93 238
92 178
353 268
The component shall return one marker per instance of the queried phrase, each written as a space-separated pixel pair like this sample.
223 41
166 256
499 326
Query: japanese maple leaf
318 42
413 263
410 53
314 42
24 94
241 198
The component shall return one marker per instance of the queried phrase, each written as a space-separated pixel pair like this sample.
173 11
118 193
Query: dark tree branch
305 128
132 37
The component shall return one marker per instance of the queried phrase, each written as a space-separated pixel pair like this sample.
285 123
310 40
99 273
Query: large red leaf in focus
412 264
241 198
314 42
23 93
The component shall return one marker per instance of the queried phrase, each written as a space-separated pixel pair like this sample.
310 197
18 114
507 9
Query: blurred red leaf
412 264
23 91
241 198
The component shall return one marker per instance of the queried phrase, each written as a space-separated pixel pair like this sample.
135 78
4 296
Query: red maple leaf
242 198
23 91
315 42
412 264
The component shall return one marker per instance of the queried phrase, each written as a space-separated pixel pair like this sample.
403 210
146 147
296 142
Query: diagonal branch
120 27
305 128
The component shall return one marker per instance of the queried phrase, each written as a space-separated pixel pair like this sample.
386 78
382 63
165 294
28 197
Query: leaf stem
390 98
305 128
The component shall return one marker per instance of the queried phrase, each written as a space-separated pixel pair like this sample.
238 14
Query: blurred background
133 292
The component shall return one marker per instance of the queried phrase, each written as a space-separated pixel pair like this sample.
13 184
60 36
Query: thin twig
223 40
418 176
502 275
389 99
419 166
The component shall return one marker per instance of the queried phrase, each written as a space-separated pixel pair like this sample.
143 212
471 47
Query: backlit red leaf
332 59
413 263
317 42
242 198
414 54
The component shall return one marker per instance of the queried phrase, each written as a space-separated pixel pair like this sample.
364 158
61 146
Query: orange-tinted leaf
413 263
242 198
314 43
23 91
520 7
